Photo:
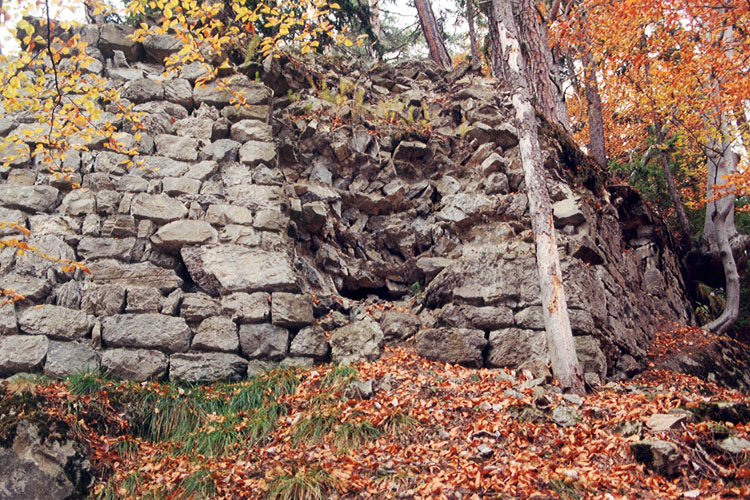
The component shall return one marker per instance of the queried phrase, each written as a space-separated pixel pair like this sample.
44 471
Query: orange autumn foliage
668 62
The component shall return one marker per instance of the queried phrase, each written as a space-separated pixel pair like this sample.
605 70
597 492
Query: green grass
158 417
126 448
352 434
217 437
398 422
256 391
314 429
304 484
198 485
86 383
566 491
340 376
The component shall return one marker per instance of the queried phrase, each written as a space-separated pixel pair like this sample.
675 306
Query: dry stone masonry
260 235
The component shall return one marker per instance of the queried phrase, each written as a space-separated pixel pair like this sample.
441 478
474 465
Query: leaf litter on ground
429 430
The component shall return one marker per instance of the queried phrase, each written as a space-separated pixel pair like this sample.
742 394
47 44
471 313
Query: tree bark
597 147
560 343
674 194
375 19
545 77
438 52
679 208
722 212
472 32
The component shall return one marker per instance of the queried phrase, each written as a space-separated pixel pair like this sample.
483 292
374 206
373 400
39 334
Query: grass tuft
86 383
352 434
162 417
398 422
253 395
340 375
304 484
198 485
126 448
314 428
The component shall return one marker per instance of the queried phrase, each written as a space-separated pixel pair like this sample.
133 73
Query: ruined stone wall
250 235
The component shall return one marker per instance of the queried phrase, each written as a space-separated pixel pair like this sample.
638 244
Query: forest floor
402 427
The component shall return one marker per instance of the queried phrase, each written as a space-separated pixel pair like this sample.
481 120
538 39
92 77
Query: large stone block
111 272
198 306
452 345
263 341
176 147
68 358
28 198
481 318
194 368
357 342
253 153
220 92
91 248
103 300
160 208
234 268
177 234
290 310
55 322
216 334
115 37
135 364
150 331
8 321
247 307
310 342
512 347
22 353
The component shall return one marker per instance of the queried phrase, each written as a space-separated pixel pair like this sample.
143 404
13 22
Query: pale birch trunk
722 159
560 343
719 228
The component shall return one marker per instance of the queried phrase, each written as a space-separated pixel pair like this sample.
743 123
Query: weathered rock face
245 239
38 469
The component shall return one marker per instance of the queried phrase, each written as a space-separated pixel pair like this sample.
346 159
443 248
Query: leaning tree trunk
545 78
438 52
597 147
679 208
562 351
472 32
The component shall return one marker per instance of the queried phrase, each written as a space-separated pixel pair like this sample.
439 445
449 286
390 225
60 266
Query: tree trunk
722 212
682 220
560 343
679 208
597 148
375 19
545 77
438 52
472 32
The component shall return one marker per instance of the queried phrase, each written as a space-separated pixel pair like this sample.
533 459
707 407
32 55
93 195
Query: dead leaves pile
429 430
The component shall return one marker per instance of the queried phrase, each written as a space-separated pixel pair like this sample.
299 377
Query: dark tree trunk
560 343
597 148
472 32
679 208
545 76
674 194
438 52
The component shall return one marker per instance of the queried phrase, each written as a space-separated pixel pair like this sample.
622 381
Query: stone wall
264 233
